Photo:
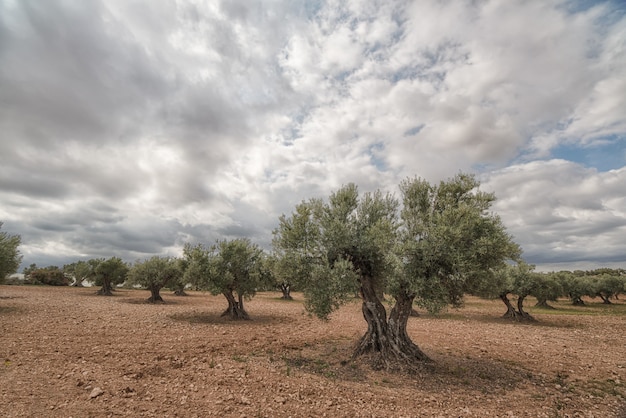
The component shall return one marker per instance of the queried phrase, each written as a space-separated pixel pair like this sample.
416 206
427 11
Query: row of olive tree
522 281
234 268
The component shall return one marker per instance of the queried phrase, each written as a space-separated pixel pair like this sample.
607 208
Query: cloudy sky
131 127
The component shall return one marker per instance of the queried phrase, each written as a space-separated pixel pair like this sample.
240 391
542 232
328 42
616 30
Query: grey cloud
129 128
560 210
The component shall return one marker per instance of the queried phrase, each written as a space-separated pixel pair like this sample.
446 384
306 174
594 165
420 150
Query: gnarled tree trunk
387 339
510 313
543 303
155 295
285 288
106 289
520 309
235 308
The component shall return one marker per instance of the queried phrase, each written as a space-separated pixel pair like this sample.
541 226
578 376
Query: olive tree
428 252
230 267
79 271
547 288
107 273
576 285
524 284
154 274
279 275
607 286
10 257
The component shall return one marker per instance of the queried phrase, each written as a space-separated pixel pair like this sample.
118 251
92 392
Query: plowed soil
66 352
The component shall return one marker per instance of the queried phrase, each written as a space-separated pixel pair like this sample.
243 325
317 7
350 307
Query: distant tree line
520 280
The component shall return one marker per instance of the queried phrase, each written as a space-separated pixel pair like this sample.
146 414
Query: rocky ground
68 353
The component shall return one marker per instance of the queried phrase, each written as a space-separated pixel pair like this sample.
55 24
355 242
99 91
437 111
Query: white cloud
561 210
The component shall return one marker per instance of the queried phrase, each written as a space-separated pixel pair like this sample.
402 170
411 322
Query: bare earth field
68 353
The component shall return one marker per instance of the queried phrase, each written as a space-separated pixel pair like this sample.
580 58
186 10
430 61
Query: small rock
95 393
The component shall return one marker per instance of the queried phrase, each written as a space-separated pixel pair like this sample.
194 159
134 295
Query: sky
128 128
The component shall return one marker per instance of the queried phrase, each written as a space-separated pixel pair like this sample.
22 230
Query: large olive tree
429 251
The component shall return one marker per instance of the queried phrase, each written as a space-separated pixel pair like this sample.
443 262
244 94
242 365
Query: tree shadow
216 318
145 301
333 359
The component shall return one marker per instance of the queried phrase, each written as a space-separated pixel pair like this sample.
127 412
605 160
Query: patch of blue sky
293 130
609 155
414 130
617 7
311 8
376 154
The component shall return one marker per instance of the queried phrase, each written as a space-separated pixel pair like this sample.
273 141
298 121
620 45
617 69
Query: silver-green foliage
228 266
441 243
328 246
154 272
450 241
10 257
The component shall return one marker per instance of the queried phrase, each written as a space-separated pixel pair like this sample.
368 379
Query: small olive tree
547 289
107 273
230 267
10 257
154 274
607 286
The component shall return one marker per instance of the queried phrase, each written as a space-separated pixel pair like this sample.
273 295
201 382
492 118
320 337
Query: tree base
392 353
236 314
519 317
544 305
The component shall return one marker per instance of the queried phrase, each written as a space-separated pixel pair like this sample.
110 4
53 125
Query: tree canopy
230 267
154 274
10 257
107 273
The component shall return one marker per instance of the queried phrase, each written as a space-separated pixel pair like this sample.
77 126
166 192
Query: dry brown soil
68 353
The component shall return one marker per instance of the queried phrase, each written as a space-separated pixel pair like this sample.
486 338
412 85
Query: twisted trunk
235 308
510 313
520 309
155 295
543 303
285 288
387 339
106 289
